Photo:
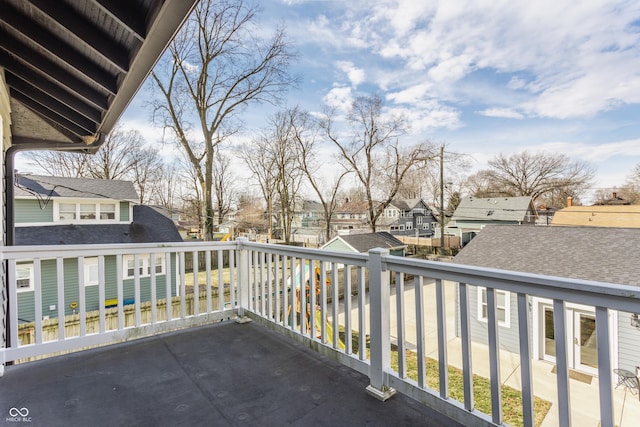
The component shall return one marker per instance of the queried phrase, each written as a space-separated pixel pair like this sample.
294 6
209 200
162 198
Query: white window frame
31 278
91 264
144 265
506 323
100 209
408 226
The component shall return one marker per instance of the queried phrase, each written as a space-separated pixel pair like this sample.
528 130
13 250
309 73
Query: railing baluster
270 313
61 307
183 292
441 323
335 304
347 309
465 337
276 281
263 303
323 302
285 292
196 283
312 300
81 297
232 279
207 275
362 316
420 344
604 366
525 360
13 302
37 275
136 289
562 369
400 315
101 294
292 297
168 287
494 356
153 287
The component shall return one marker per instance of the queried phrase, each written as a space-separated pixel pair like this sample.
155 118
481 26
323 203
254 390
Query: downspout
9 192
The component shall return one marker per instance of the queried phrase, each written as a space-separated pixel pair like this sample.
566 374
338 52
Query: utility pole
442 200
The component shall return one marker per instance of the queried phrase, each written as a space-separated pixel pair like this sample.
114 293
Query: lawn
511 398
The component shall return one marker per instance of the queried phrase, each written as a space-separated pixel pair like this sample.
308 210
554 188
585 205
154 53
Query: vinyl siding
124 212
26 300
508 338
628 337
29 211
338 245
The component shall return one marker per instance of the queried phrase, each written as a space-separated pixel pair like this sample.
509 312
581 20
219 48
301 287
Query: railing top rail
54 251
351 258
622 297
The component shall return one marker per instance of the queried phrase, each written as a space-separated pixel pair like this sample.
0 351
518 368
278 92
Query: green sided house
71 211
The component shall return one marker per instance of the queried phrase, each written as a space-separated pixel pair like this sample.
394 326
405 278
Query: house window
419 220
107 211
91 276
409 226
144 265
24 277
86 212
67 211
502 304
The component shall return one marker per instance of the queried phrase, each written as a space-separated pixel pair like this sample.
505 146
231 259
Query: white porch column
379 319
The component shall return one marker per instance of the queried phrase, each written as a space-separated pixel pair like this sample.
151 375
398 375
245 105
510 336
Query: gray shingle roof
148 226
588 253
364 242
493 209
54 186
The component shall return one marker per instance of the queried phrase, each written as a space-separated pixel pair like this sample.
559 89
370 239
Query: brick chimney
569 201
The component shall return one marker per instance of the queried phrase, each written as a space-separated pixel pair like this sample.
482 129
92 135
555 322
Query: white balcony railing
396 307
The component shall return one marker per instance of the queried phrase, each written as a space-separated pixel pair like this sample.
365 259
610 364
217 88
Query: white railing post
243 280
380 346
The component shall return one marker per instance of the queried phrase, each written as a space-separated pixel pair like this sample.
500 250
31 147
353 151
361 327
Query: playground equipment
316 310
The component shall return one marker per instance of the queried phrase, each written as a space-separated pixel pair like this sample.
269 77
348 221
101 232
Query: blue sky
483 77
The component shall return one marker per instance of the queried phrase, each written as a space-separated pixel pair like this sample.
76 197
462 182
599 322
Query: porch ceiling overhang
73 66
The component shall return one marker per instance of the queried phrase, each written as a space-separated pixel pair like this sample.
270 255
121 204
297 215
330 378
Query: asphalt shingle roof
364 242
148 226
55 186
589 253
493 209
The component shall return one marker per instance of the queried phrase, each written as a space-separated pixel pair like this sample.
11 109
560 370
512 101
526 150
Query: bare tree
373 153
123 156
542 176
223 179
60 163
304 132
261 163
216 66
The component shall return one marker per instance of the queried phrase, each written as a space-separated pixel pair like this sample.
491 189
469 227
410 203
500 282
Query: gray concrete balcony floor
225 374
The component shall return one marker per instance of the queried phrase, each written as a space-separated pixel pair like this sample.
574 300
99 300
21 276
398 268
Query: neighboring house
588 253
627 216
615 200
474 213
410 217
69 211
361 243
351 216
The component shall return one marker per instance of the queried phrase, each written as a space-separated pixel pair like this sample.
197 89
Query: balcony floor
226 374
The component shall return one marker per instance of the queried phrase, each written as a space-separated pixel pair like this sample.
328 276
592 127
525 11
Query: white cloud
506 113
339 97
355 75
